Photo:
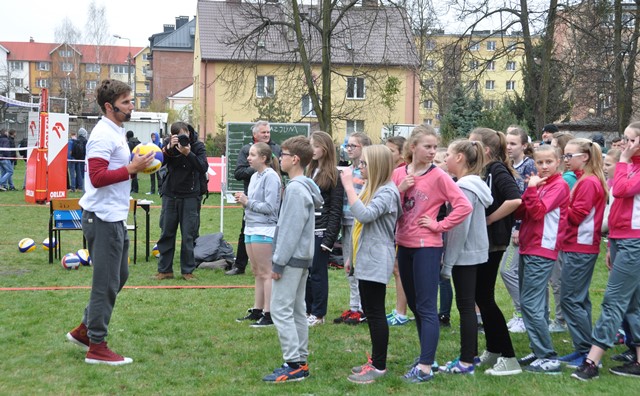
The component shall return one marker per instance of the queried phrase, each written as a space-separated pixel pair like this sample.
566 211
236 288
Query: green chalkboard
239 134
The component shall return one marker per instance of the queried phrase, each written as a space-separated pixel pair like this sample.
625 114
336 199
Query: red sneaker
355 318
79 336
101 354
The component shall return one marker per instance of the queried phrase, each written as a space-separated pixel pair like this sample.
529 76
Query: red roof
40 52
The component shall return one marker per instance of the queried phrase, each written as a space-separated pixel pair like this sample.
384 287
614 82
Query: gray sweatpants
510 274
555 284
288 312
109 247
347 249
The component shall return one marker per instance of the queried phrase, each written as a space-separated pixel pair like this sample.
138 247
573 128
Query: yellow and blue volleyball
155 252
85 258
26 245
144 149
46 244
70 261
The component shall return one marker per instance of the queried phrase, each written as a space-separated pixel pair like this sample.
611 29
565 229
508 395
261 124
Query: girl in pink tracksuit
622 295
543 210
581 242
423 189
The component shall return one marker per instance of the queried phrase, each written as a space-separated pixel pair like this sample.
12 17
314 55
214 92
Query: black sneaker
586 371
625 357
527 360
253 314
631 369
445 320
264 321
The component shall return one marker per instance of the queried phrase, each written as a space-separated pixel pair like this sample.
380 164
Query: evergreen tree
464 114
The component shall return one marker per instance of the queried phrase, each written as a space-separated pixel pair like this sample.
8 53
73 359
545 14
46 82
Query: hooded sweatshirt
294 241
624 218
264 199
468 242
376 250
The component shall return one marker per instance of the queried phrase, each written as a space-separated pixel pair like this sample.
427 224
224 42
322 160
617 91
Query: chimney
234 1
180 21
369 3
31 40
168 28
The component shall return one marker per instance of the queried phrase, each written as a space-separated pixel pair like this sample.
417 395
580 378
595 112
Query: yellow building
373 76
142 85
487 61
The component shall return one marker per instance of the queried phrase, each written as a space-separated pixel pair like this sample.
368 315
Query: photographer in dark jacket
261 133
186 161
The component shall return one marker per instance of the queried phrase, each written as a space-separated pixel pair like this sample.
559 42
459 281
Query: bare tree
67 70
97 28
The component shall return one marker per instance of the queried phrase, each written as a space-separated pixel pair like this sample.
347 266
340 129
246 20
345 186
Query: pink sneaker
101 354
79 336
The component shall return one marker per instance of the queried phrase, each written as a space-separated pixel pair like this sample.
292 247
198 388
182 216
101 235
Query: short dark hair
109 91
550 128
129 134
300 146
616 139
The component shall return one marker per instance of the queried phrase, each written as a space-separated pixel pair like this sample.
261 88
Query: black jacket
330 216
243 170
183 172
6 143
503 188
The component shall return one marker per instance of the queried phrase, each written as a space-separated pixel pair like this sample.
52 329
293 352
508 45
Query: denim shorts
258 239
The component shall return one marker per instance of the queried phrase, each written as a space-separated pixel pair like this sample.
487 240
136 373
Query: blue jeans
7 173
622 295
535 272
577 271
76 175
420 274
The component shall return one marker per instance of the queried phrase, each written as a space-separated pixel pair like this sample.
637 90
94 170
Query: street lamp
128 56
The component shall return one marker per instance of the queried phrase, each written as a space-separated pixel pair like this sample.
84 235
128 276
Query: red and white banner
57 155
215 173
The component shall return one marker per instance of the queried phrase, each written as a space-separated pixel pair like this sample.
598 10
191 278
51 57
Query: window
67 67
65 83
490 85
16 82
430 45
511 46
355 88
91 84
355 126
491 65
428 104
145 57
15 65
474 46
491 45
144 103
42 83
428 121
44 66
430 65
147 86
429 83
92 68
119 69
473 65
265 86
474 85
307 107
511 85
65 53
489 104
511 65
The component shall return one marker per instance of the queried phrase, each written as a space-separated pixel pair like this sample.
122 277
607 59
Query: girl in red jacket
543 210
622 295
581 242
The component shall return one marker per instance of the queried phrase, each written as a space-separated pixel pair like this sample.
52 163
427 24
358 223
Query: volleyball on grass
155 252
26 245
85 258
144 149
70 261
46 245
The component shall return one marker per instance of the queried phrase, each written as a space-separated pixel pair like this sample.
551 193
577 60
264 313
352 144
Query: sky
133 19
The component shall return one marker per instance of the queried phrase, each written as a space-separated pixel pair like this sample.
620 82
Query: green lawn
186 341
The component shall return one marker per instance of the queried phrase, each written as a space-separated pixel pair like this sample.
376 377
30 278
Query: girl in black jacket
323 171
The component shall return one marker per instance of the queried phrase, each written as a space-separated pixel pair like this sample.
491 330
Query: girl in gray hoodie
375 211
261 208
467 247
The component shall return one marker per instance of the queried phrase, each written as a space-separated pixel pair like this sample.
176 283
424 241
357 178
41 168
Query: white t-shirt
110 203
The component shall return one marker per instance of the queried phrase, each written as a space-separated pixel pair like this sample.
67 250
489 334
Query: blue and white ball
26 245
144 149
70 261
85 258
155 252
46 244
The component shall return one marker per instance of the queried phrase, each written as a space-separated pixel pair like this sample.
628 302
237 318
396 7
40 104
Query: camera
183 140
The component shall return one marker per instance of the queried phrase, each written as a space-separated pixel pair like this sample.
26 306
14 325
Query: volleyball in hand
26 245
144 149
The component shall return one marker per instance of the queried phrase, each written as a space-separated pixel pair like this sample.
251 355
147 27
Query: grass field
186 341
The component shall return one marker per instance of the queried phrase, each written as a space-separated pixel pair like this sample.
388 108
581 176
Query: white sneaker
513 320
518 326
505 366
313 320
557 327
